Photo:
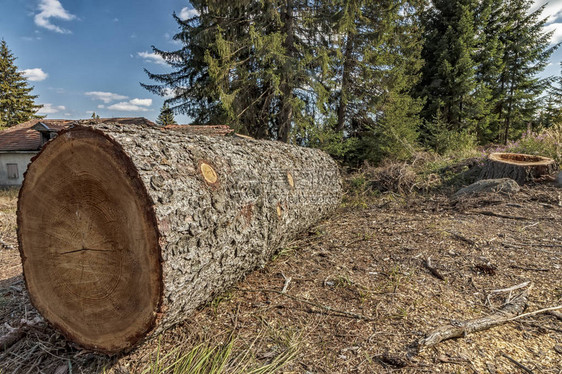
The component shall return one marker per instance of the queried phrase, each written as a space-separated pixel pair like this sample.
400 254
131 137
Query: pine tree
166 116
16 103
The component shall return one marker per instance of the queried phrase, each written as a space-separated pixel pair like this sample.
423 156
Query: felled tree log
123 231
520 167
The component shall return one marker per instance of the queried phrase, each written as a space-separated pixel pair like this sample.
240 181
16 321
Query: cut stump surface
520 167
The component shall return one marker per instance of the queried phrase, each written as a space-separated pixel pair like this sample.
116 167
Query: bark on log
123 231
520 167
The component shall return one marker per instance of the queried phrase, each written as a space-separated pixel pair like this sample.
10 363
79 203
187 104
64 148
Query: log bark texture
521 168
123 231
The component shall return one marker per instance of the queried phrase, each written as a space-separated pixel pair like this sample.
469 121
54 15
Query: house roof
23 137
215 130
27 136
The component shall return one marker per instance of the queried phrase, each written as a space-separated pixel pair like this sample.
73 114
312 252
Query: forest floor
356 292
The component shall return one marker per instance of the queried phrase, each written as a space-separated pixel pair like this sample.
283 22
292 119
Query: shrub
547 143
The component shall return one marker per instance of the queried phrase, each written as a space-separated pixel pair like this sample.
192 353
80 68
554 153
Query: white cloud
152 57
552 11
187 13
52 9
35 75
127 107
101 106
142 102
106 97
50 109
557 34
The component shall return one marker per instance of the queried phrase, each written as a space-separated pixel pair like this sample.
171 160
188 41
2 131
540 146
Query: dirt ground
356 292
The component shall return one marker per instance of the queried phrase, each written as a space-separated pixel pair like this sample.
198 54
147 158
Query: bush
546 143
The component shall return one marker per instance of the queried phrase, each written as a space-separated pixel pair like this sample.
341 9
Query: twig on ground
545 310
287 281
326 308
433 270
509 289
534 245
528 226
520 365
6 245
555 314
528 269
461 238
492 214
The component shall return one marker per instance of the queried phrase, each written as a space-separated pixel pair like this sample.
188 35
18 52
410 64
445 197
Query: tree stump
520 167
123 231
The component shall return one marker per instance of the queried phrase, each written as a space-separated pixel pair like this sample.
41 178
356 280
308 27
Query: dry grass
367 262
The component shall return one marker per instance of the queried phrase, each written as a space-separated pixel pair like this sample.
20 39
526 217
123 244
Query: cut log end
91 272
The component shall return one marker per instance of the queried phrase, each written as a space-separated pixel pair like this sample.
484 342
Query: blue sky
88 55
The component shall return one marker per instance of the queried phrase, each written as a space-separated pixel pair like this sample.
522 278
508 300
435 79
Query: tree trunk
346 82
123 231
287 78
519 167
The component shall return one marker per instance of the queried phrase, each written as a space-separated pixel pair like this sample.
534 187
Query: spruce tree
551 113
166 116
488 56
372 62
241 63
453 101
526 52
16 103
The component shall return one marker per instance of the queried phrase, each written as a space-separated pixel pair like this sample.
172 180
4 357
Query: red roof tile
23 138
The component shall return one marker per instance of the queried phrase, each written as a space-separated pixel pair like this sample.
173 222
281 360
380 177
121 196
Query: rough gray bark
519 167
222 207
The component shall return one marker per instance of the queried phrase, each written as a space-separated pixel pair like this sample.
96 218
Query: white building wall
21 159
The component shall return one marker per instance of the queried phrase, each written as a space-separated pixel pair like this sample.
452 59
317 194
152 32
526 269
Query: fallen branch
461 329
433 270
14 334
326 308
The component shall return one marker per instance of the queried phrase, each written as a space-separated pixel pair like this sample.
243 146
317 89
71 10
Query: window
12 171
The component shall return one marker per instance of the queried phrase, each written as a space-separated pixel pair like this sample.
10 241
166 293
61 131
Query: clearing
362 262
